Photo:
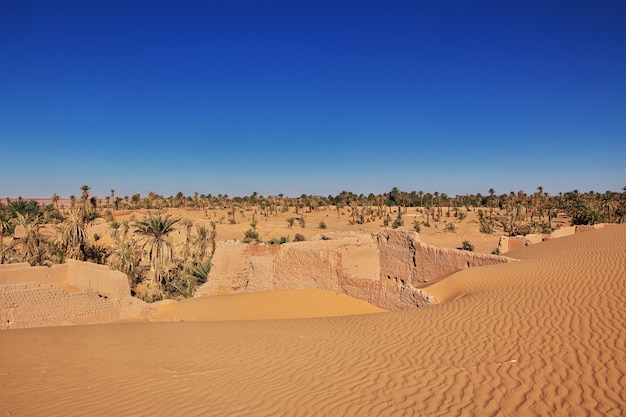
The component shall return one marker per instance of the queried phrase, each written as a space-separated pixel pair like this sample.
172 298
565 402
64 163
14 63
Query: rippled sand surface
542 336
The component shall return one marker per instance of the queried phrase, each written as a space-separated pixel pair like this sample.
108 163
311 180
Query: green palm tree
85 194
73 235
154 231
126 257
32 242
203 240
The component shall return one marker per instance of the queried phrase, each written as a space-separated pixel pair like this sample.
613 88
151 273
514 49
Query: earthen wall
71 293
385 269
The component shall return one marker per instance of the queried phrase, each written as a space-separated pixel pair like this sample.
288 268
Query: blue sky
233 97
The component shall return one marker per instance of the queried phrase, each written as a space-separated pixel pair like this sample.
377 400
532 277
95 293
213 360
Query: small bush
290 221
322 225
496 251
449 227
299 238
417 226
276 241
302 222
467 245
486 225
399 221
250 235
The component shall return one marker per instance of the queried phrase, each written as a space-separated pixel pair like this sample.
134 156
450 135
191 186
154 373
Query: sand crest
543 336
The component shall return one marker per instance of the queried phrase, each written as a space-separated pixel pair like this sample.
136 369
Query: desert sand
542 336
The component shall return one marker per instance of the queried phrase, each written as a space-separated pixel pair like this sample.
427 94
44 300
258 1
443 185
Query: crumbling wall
84 275
404 257
383 269
16 273
510 243
71 293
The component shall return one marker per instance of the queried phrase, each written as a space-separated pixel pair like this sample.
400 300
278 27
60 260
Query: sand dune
279 304
543 336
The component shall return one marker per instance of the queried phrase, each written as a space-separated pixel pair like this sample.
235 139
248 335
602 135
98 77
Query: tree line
143 249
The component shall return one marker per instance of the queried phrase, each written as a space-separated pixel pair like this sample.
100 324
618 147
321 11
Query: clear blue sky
231 97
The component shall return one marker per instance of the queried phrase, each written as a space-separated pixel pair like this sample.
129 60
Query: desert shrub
399 221
299 238
322 225
449 227
496 251
486 225
467 245
276 241
184 281
386 221
462 216
302 222
250 235
541 227
290 221
417 226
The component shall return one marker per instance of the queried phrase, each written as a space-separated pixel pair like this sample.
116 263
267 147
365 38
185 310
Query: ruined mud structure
510 243
387 269
71 293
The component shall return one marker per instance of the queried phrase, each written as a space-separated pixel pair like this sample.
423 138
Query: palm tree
4 226
55 201
32 241
154 231
85 195
73 235
126 257
187 245
204 238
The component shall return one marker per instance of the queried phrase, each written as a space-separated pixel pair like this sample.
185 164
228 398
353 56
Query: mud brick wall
71 293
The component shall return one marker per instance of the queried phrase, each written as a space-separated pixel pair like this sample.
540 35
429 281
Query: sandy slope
543 336
279 304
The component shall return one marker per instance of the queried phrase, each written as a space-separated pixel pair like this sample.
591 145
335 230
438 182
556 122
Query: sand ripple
543 336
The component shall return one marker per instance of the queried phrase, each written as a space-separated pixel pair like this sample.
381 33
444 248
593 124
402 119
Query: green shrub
399 221
467 245
250 235
276 241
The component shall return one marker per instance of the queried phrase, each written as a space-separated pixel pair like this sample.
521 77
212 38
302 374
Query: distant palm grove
143 249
